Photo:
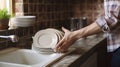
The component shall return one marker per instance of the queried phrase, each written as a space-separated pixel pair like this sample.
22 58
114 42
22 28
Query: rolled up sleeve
103 24
110 18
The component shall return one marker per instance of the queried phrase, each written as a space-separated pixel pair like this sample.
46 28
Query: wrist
79 33
76 35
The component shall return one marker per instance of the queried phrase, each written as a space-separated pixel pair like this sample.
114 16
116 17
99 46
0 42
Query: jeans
116 58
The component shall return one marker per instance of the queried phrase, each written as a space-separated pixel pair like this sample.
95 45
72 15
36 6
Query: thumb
65 30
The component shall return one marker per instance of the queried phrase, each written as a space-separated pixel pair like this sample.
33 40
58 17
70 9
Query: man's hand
66 41
70 37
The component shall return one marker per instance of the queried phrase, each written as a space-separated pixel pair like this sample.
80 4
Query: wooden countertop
84 48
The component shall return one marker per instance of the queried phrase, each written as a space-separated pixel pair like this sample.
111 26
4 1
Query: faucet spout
13 38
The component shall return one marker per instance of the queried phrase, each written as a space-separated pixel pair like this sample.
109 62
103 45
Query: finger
59 44
63 47
65 30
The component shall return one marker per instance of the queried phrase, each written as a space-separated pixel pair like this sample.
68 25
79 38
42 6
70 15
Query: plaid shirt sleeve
108 20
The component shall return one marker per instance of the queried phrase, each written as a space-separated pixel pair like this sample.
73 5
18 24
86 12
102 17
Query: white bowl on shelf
24 21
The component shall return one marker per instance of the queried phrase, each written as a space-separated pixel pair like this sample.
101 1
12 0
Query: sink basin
15 57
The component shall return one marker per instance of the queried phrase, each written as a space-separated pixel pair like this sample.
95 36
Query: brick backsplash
88 8
50 13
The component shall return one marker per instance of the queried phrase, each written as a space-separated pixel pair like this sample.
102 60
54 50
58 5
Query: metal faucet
13 38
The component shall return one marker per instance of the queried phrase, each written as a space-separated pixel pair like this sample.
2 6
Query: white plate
45 39
42 50
58 33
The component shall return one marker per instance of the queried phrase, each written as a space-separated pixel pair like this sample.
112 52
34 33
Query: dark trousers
115 61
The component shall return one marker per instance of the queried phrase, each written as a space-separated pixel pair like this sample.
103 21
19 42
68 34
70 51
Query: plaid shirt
109 23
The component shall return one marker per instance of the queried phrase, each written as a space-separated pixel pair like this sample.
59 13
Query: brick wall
88 8
49 13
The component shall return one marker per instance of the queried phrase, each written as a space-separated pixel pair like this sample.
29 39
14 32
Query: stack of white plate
45 40
24 21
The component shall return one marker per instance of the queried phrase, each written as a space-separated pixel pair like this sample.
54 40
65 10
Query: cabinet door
91 61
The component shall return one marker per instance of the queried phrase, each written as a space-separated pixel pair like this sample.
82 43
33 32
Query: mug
77 23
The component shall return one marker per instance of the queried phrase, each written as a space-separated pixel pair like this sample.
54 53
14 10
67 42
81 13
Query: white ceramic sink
25 58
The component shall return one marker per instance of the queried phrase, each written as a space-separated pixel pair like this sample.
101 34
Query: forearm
88 30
